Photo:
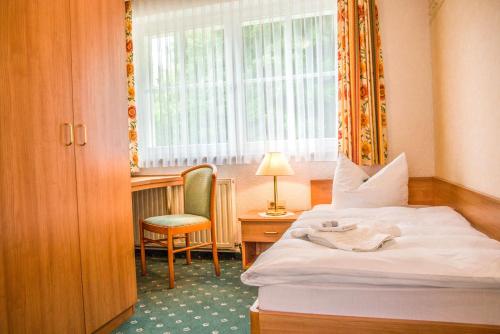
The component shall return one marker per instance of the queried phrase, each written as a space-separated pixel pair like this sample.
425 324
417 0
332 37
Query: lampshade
274 164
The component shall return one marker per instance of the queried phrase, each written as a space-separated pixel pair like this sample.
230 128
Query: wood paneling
420 191
104 197
482 211
321 191
270 322
41 287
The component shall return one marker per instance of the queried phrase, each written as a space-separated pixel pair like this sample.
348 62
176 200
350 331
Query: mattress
479 306
438 248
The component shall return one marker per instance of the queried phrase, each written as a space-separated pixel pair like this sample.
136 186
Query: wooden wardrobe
66 239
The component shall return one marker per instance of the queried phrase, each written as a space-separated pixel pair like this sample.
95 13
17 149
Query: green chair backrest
197 191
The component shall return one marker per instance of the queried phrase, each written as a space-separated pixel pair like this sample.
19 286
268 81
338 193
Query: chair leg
214 251
188 252
143 250
170 251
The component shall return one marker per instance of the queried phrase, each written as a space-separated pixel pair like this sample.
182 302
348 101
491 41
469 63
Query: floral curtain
362 123
132 117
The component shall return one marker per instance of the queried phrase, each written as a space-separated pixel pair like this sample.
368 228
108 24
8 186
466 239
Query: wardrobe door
103 174
41 286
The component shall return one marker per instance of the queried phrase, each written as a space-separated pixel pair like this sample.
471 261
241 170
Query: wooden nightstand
259 233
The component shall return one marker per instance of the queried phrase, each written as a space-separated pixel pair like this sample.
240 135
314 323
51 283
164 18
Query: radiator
163 201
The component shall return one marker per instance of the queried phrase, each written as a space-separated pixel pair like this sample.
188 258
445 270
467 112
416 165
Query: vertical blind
226 81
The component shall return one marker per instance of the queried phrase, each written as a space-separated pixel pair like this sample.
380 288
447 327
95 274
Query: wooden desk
155 181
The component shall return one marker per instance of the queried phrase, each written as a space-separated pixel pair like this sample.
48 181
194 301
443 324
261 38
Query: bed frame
482 211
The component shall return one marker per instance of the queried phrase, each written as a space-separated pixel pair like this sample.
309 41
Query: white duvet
437 247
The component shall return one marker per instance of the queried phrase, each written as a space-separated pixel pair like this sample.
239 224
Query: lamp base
276 213
284 214
276 209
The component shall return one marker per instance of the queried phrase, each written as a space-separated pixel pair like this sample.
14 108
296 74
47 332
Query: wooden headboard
482 211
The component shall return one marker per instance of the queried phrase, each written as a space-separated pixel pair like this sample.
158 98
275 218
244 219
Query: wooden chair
199 214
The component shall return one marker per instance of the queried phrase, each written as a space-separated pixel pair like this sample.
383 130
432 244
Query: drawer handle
270 232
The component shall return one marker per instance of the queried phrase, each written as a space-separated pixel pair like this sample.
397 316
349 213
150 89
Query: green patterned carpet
200 303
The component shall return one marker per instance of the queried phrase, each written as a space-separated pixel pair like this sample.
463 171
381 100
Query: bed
451 292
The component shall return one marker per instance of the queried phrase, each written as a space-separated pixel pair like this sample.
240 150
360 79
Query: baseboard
116 321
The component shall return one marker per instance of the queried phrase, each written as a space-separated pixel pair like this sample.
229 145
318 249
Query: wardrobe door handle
71 135
84 129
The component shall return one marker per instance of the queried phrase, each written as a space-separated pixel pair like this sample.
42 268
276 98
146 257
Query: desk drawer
263 231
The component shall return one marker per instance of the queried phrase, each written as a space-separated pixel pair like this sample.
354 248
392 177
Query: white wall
466 70
407 64
253 191
406 50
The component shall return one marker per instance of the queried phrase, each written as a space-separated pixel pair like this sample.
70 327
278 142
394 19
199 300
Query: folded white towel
359 239
362 239
324 224
338 228
301 232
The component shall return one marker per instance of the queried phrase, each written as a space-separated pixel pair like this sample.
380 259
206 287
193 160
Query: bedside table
259 233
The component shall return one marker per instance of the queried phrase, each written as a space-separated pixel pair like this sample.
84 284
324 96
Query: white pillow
348 175
389 187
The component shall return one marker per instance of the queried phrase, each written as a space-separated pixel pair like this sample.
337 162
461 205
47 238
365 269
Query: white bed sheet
479 306
438 248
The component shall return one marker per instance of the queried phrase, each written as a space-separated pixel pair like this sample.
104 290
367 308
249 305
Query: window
227 81
180 85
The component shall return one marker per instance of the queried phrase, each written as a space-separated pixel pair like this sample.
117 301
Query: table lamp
275 164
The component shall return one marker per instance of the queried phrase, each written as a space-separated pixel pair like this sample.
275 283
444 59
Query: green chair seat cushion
176 220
